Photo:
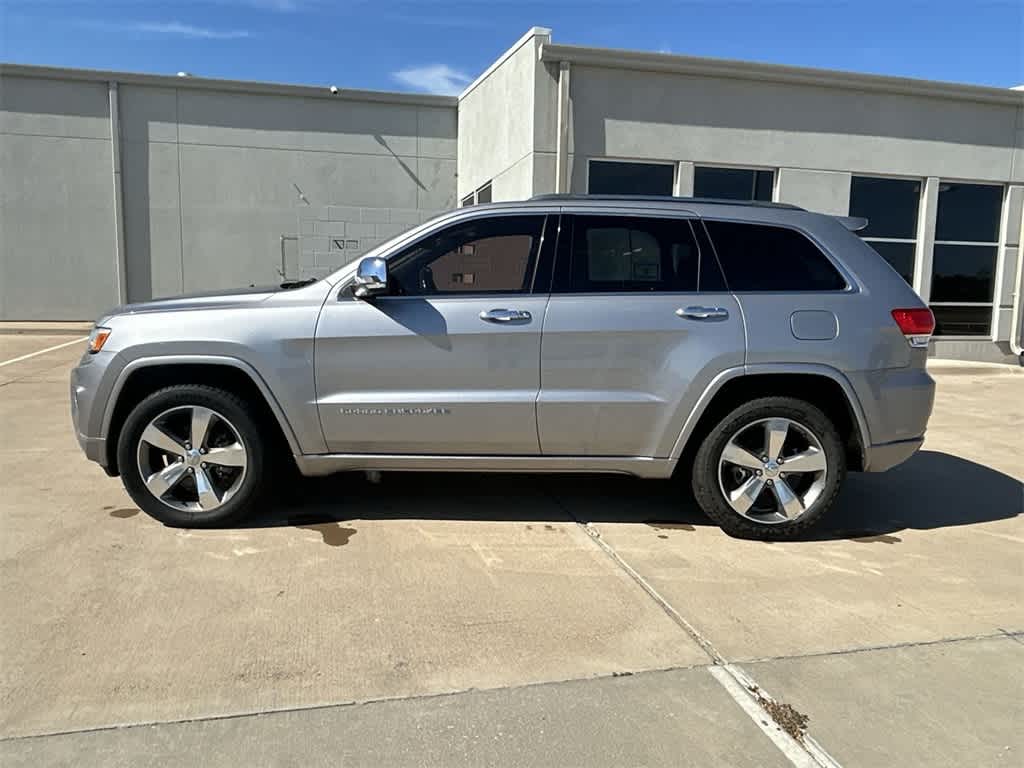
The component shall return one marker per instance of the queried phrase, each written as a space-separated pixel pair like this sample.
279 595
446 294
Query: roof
700 66
216 84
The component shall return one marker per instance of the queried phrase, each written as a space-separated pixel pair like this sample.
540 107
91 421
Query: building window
733 183
964 259
482 195
609 177
891 207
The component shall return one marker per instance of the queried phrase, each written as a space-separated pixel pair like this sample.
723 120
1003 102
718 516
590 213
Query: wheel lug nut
764 459
203 465
203 450
759 473
770 483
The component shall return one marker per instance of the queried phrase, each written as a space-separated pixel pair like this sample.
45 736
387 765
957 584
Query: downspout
1017 317
115 145
562 149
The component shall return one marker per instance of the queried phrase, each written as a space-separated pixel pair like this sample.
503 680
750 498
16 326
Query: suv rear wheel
770 469
191 456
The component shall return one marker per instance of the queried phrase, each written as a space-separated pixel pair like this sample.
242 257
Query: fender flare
813 369
234 362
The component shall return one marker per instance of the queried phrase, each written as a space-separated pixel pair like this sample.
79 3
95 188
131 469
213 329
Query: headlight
98 338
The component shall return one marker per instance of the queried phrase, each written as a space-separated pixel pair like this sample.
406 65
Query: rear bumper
888 455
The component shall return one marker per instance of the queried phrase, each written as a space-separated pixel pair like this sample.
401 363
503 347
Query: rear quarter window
760 257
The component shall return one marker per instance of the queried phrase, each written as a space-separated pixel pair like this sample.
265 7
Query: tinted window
963 272
756 257
483 195
629 253
467 200
899 255
968 212
889 205
611 178
493 255
732 183
962 321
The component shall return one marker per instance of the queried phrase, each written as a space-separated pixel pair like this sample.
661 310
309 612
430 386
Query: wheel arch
144 376
821 385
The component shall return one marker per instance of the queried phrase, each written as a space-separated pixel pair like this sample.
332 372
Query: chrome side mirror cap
371 278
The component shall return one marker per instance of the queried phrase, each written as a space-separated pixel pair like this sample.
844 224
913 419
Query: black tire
705 479
242 417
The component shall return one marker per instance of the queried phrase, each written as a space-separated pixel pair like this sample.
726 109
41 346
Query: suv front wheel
770 469
191 456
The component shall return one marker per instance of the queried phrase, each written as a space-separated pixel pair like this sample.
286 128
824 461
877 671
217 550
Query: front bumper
85 381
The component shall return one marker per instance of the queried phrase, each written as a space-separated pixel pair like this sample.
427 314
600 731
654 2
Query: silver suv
764 349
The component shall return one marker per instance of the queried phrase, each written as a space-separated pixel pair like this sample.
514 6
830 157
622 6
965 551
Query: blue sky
439 45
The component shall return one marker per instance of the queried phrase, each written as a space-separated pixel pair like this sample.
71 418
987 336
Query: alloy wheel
192 458
772 470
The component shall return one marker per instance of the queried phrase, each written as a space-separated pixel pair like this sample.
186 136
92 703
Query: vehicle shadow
931 490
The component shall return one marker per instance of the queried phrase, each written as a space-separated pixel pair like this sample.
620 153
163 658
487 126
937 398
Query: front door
449 361
638 324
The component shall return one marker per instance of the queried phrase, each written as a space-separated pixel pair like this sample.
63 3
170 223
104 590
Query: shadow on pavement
931 490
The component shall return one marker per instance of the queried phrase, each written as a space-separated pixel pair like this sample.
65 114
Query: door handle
506 316
703 313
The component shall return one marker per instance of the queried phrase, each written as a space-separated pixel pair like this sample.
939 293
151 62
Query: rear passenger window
629 253
757 257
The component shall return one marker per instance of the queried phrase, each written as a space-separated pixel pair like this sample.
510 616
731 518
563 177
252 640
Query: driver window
488 255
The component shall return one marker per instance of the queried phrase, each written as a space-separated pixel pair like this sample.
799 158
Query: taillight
917 325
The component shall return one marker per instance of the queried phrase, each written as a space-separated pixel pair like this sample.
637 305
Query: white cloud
186 30
434 78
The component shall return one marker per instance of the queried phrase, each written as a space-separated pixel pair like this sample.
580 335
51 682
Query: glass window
900 256
615 178
630 253
756 257
467 200
964 258
483 195
891 207
963 273
962 321
492 255
733 183
968 212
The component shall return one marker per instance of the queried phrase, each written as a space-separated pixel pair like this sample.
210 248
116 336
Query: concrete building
213 184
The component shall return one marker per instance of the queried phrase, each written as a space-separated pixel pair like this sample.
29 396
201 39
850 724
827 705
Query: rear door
449 361
638 324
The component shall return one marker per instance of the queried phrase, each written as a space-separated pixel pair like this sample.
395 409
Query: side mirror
371 278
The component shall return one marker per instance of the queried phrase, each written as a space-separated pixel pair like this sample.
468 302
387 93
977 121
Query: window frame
634 161
774 170
921 212
473 198
992 303
852 286
562 266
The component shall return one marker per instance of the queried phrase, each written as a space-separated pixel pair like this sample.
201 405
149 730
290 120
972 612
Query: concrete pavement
451 584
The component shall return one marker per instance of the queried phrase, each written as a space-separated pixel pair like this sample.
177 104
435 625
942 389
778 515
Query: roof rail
569 197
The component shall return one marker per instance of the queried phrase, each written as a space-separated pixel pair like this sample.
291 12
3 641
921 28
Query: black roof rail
569 197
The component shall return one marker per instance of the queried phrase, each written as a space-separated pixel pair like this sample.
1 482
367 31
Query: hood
235 297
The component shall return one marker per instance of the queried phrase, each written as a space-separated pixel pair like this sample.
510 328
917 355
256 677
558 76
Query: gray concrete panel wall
497 116
57 244
212 179
663 116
